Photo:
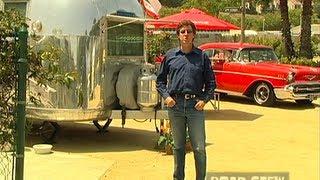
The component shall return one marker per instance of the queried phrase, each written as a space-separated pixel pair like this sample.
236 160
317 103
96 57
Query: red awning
202 21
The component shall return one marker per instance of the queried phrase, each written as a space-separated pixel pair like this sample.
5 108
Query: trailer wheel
48 131
263 95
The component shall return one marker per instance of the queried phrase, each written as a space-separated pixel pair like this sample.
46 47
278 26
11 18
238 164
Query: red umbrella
202 21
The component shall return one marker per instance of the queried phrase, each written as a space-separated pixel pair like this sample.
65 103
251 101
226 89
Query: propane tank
147 93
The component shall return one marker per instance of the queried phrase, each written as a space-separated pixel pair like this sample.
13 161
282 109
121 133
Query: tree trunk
286 33
305 35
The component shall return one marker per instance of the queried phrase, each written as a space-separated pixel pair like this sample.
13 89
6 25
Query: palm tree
286 33
305 38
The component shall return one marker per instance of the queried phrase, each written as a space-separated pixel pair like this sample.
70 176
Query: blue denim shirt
182 73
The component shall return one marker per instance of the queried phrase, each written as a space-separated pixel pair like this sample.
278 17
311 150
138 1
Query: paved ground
242 137
64 165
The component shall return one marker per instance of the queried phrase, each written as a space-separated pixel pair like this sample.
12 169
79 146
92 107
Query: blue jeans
184 116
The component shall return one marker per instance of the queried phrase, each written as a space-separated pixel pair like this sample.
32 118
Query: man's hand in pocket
200 105
170 101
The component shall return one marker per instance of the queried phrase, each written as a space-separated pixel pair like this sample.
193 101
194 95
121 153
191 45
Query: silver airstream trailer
103 42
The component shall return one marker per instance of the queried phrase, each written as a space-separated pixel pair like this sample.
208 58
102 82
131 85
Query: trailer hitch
47 131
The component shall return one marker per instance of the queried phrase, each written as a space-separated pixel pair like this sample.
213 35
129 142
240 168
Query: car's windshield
255 55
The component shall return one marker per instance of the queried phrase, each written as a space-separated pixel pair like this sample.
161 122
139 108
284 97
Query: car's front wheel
263 94
304 102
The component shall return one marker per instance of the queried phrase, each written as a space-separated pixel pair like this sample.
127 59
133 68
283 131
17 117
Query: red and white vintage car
254 71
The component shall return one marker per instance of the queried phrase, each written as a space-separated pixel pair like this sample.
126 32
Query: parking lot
241 137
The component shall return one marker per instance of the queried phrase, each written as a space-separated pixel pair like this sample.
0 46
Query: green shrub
295 17
158 44
276 43
273 21
301 61
9 22
316 9
42 67
315 40
268 21
167 11
233 19
273 41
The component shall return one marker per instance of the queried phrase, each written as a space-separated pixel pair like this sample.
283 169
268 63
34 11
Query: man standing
186 82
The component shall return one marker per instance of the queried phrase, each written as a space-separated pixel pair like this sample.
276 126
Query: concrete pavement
61 165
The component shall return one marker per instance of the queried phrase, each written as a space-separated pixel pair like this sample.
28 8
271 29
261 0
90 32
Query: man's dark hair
186 23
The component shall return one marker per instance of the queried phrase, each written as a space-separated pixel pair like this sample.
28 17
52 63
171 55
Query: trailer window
125 40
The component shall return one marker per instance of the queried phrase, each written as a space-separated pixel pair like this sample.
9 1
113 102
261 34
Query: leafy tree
158 44
286 33
8 75
42 67
305 38
199 4
264 3
296 14
236 20
211 7
221 5
170 3
272 21
295 17
317 9
167 11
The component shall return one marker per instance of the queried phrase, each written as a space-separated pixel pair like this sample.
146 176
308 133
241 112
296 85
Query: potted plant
165 143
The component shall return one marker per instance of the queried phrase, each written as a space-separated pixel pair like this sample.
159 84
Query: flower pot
169 149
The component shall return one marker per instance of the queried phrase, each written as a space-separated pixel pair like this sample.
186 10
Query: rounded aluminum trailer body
80 29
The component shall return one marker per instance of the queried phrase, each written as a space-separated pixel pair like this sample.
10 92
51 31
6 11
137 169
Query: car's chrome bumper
296 91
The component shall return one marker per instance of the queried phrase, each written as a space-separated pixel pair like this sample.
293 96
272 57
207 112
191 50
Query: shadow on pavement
294 106
83 138
237 99
231 115
279 104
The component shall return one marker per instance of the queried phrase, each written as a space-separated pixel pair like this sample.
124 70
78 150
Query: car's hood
301 72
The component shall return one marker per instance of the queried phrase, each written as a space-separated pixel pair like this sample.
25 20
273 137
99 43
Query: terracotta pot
168 149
